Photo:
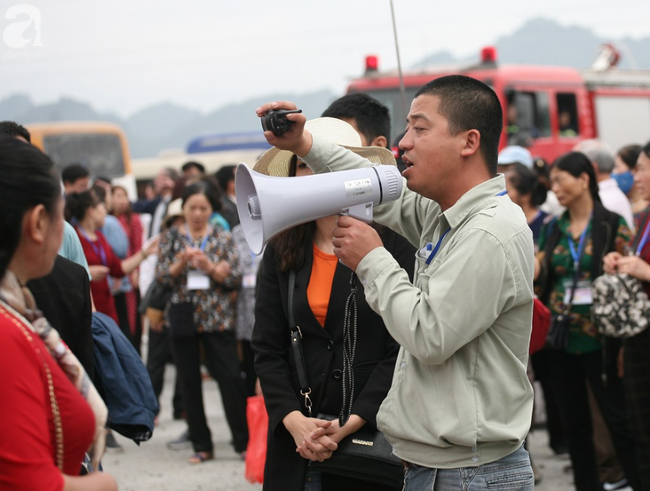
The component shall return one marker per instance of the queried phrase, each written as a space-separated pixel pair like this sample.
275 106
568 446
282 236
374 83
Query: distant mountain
13 107
545 42
66 109
158 125
167 125
163 125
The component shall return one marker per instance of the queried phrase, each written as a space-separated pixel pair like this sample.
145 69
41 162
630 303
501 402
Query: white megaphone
270 205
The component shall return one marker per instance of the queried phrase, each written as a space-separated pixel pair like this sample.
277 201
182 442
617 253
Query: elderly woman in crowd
201 265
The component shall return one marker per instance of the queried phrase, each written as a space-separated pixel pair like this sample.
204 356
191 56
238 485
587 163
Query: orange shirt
320 283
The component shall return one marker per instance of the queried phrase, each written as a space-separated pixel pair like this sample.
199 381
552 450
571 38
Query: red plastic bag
541 323
258 423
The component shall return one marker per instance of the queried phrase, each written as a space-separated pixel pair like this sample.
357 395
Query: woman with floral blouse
574 243
200 263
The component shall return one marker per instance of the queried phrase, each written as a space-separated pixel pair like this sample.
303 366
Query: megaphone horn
269 205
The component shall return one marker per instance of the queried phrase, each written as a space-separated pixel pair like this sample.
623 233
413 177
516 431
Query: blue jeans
513 472
313 480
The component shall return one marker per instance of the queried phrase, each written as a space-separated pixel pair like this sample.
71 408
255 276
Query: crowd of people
397 328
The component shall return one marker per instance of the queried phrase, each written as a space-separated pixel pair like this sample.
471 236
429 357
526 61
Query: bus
99 146
212 151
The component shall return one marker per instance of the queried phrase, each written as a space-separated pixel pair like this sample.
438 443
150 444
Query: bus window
527 117
567 115
99 146
100 153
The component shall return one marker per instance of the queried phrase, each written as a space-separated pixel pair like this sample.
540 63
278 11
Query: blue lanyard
203 242
576 254
439 243
644 239
435 249
97 247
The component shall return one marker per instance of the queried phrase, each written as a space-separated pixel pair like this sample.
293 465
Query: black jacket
374 361
64 298
603 235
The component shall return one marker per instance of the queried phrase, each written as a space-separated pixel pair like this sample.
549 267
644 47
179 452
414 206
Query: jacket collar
475 199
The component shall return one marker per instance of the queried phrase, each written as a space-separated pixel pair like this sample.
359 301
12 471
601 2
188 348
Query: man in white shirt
610 194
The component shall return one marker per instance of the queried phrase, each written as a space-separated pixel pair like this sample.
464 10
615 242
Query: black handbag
156 297
366 454
558 331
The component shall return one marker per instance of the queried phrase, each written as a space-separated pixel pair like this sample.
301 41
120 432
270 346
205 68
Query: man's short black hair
14 129
371 116
191 164
469 104
73 172
225 175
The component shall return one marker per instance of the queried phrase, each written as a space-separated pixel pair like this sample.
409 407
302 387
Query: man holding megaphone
460 397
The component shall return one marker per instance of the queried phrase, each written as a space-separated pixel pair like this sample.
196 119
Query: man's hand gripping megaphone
352 238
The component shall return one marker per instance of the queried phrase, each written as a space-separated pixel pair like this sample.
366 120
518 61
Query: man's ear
36 222
379 141
471 143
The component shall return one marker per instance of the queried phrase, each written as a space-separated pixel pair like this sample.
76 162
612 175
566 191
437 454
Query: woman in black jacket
321 297
572 249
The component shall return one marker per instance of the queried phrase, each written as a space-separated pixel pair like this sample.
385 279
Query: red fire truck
546 108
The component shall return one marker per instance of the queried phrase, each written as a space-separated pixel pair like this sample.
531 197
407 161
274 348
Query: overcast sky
123 55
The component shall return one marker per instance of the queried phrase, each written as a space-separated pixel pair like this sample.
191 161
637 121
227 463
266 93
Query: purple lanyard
439 243
97 247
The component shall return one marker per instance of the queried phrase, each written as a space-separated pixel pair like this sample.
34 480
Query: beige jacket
460 395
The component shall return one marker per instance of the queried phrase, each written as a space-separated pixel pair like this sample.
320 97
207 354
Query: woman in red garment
132 227
45 422
87 213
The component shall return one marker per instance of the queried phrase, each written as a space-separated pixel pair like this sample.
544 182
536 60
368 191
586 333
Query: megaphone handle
361 212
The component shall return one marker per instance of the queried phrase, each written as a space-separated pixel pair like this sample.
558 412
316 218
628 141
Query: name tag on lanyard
582 294
249 280
197 280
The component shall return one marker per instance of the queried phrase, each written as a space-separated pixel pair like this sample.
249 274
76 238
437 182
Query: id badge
248 281
582 295
197 280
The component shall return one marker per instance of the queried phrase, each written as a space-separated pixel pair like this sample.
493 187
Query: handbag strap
296 346
573 289
349 350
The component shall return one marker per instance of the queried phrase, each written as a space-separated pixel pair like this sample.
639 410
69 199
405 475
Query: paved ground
153 467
